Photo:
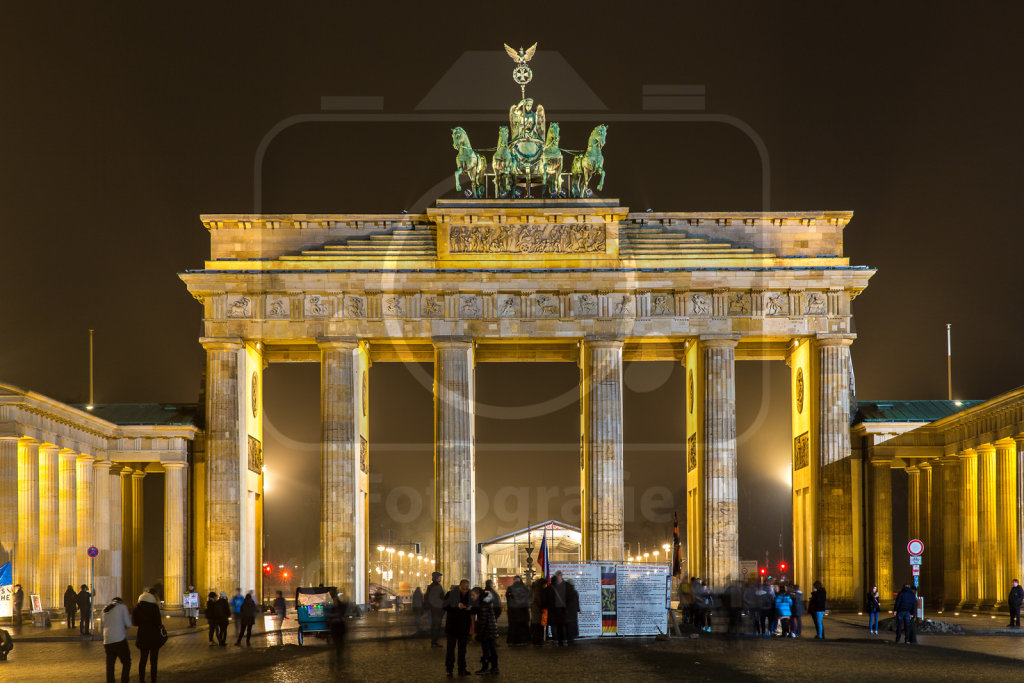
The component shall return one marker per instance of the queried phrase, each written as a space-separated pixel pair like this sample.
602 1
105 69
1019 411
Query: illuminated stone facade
584 281
70 479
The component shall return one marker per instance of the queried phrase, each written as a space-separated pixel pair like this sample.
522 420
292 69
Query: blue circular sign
93 551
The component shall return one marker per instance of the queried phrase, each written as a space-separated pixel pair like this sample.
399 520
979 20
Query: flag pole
90 405
949 362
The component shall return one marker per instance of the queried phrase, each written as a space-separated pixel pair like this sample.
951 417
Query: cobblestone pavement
378 652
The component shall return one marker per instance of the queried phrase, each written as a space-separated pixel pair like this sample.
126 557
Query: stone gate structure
579 280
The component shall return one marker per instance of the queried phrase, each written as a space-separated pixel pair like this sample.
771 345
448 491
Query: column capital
609 341
912 469
138 472
337 343
174 465
85 457
222 343
101 464
985 449
452 342
720 341
824 339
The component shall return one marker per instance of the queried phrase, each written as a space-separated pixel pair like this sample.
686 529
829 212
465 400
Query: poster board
190 601
619 599
6 590
36 602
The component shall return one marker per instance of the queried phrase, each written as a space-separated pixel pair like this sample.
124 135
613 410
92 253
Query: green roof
908 411
128 414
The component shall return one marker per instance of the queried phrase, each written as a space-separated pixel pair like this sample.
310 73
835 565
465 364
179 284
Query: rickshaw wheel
300 635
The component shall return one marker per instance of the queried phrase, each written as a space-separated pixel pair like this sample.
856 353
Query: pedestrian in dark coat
1014 600
434 604
19 603
417 608
247 614
572 613
873 606
816 607
84 600
223 610
212 614
458 607
6 644
517 600
555 603
149 638
70 605
486 609
798 611
538 613
904 606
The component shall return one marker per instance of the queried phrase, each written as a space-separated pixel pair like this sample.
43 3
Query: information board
619 599
190 601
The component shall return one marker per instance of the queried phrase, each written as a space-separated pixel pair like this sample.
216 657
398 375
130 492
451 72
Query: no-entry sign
915 547
93 551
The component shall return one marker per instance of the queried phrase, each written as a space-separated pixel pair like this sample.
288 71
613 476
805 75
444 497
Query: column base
966 606
986 606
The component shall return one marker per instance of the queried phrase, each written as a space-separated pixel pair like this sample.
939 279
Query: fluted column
455 460
68 524
117 544
223 464
26 569
85 518
8 498
344 465
138 578
1006 517
969 574
721 511
881 526
49 569
913 501
174 533
988 551
925 506
601 494
1019 560
839 498
102 529
951 529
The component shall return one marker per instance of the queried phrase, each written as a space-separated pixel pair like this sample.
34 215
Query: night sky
120 125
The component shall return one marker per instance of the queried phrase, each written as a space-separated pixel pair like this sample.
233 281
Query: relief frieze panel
239 306
662 304
527 238
355 306
776 303
815 303
700 303
509 306
585 305
432 306
739 303
317 306
546 306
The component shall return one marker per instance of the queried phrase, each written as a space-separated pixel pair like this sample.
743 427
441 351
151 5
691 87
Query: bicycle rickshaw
313 606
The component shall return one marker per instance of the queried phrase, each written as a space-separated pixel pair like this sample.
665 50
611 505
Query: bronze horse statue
502 164
471 163
590 163
551 163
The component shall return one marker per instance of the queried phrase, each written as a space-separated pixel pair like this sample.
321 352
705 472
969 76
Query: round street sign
93 551
915 547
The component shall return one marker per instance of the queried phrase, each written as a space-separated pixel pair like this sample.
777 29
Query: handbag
162 636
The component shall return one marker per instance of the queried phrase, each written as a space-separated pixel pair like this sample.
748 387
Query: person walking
223 611
873 606
817 609
247 614
212 615
434 599
765 606
750 607
151 634
487 611
19 603
458 607
236 609
417 609
192 598
116 620
783 610
1014 600
517 599
84 602
555 604
904 606
70 605
538 615
280 606
797 621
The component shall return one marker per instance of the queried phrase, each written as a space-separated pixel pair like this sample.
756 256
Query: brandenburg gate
575 279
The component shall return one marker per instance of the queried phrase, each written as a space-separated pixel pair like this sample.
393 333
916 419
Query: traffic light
267 569
782 567
763 570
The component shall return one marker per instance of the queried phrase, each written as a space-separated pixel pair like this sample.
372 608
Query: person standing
750 601
487 611
873 606
572 613
417 609
70 605
798 612
247 614
517 599
1014 600
116 621
783 610
555 603
223 610
212 615
458 606
817 609
19 603
150 636
192 598
434 599
84 601
236 610
904 606
538 615
6 644
280 612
